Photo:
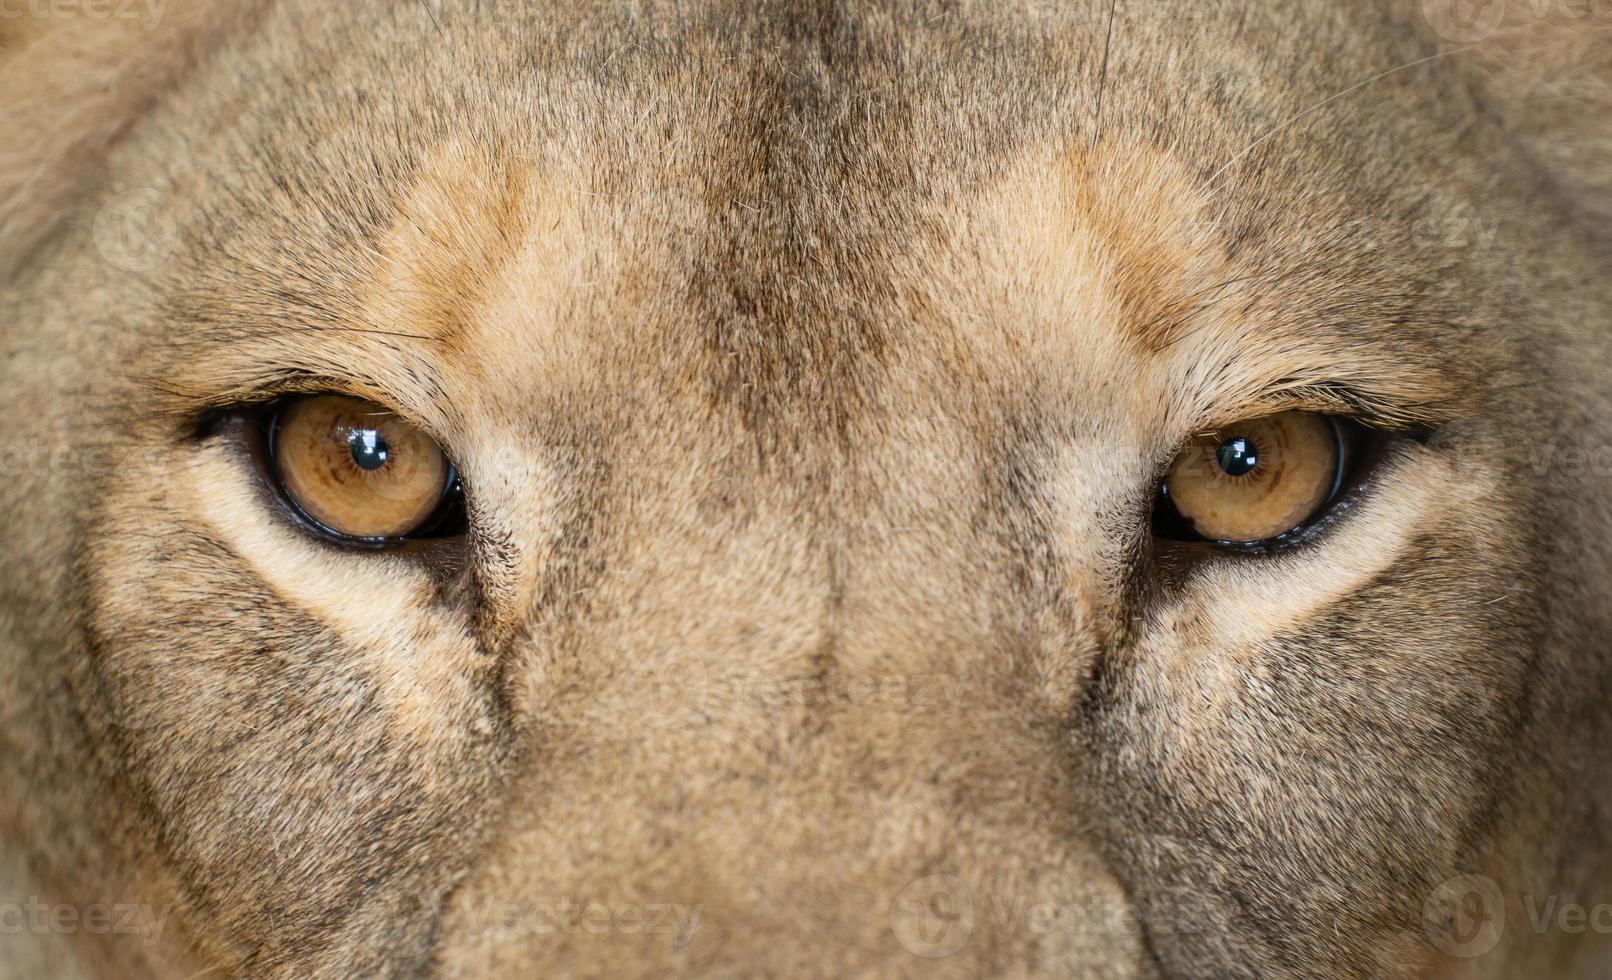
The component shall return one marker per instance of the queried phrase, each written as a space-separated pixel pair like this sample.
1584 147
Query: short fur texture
812 365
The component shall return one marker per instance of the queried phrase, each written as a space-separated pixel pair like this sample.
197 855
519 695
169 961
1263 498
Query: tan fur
811 366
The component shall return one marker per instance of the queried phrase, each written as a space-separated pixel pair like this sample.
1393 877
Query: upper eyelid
1166 455
200 410
1333 398
283 385
270 392
1329 398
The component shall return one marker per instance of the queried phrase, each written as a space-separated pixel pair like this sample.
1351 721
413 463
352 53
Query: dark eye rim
260 425
1362 451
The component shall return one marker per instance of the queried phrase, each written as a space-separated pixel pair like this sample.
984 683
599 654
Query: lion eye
359 471
1258 479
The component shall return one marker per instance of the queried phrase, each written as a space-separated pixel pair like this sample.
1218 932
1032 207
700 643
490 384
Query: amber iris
357 468
1258 479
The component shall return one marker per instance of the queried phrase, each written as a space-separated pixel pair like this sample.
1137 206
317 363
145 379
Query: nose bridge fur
790 750
768 665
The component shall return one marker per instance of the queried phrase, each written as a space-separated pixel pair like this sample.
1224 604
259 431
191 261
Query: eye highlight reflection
362 473
1256 480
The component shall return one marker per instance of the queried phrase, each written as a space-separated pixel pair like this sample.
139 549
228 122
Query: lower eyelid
1382 517
1377 461
1362 452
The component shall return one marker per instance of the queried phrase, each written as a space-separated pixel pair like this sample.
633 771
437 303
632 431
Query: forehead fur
758 191
786 346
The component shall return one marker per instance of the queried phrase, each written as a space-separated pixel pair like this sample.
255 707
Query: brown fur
811 365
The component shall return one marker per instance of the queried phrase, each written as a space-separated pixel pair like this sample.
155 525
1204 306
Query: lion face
808 375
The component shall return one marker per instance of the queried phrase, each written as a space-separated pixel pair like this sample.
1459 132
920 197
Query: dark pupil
1237 456
368 448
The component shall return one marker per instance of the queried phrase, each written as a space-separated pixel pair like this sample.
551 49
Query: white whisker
1321 105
